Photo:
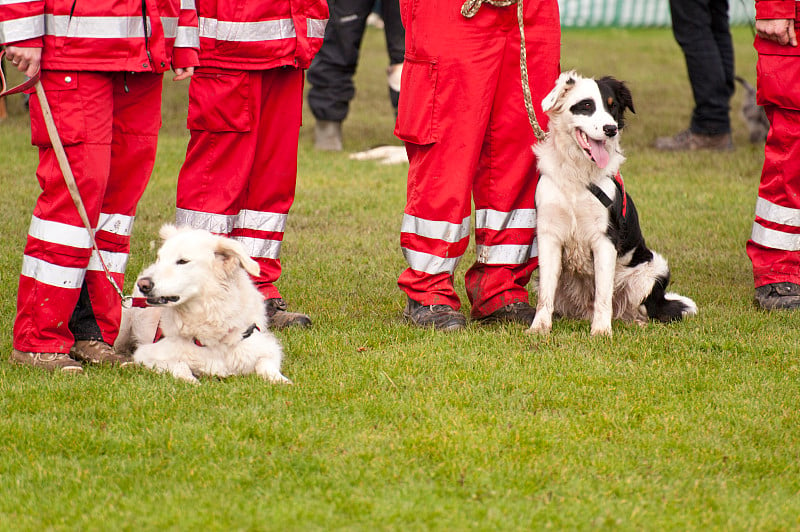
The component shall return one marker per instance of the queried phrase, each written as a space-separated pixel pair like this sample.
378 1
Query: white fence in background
634 13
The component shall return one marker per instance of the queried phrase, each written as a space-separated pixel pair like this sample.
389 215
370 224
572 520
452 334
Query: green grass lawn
690 426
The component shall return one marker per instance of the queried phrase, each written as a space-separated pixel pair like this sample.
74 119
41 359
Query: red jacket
260 34
104 35
767 9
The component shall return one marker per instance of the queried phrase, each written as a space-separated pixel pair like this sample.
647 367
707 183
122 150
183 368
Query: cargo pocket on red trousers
777 81
61 90
219 102
417 114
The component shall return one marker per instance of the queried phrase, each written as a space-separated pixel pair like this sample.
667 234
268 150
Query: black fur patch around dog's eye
584 107
616 98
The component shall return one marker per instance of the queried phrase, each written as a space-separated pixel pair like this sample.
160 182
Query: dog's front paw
601 330
540 326
277 379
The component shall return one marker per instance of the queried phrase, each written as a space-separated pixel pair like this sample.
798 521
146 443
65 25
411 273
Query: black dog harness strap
608 189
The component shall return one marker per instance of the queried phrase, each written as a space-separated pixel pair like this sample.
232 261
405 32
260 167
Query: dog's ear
622 94
233 256
166 231
564 82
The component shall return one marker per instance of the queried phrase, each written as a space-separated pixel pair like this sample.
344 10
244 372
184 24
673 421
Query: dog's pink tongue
599 153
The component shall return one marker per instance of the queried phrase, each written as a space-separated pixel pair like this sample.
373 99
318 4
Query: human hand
183 73
26 60
779 30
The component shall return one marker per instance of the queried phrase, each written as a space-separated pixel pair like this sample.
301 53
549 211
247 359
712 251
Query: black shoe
778 296
440 317
519 312
280 318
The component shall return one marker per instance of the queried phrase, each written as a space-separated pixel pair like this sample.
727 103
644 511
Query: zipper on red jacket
146 38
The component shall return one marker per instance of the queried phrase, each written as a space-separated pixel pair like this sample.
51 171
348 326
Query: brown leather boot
49 361
280 318
439 317
519 312
778 296
98 352
689 141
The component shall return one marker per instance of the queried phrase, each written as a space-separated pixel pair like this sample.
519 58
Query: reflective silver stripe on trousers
115 261
118 224
499 220
260 248
505 254
445 231
775 213
770 238
51 274
59 233
268 30
432 264
223 224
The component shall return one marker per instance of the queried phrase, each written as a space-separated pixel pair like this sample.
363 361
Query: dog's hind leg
267 369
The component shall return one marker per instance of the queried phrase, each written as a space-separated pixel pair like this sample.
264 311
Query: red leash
5 91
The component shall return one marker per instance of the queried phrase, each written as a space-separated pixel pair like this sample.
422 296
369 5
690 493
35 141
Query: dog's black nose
145 285
610 131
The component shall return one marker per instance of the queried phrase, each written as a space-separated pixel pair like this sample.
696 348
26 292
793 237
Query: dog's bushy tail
666 306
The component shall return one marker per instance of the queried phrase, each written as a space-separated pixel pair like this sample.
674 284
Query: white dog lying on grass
211 315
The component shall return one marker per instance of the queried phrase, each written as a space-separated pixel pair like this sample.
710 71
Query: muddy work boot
280 318
98 352
691 141
519 312
48 361
439 317
778 296
328 135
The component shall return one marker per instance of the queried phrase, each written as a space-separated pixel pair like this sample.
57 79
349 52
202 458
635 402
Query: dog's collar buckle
249 331
245 335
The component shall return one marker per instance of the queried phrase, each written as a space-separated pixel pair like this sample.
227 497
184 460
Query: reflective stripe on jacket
104 35
244 34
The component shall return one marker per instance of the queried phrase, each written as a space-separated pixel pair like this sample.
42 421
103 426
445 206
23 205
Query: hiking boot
519 312
280 318
689 141
778 296
98 352
328 135
49 361
440 317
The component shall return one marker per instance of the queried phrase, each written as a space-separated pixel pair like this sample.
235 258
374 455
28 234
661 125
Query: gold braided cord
469 9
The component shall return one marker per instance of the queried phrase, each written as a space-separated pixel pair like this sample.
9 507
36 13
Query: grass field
692 426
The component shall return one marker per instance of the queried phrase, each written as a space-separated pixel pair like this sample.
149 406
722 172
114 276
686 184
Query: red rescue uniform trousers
240 172
108 123
774 246
467 133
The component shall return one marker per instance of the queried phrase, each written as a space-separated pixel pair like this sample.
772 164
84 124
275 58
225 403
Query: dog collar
245 335
604 192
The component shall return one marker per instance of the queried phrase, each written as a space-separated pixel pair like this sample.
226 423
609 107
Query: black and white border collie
593 261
